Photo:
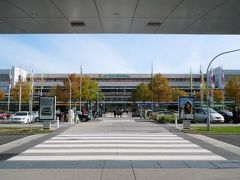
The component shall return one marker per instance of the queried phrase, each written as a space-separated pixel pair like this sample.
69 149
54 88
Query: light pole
97 100
207 93
70 99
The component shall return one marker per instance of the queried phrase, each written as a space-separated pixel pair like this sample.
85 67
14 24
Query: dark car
228 115
135 114
83 117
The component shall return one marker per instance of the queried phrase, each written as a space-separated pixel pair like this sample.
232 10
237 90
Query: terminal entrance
94 75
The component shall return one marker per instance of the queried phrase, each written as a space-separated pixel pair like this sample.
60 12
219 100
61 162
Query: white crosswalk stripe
135 146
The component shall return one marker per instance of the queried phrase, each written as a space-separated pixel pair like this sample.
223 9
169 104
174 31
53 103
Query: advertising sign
186 107
47 108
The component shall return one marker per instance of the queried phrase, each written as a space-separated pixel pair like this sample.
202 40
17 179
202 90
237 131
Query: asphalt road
9 138
230 139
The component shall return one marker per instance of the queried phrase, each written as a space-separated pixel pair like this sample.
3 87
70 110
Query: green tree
89 89
160 89
141 93
176 93
232 89
25 91
2 95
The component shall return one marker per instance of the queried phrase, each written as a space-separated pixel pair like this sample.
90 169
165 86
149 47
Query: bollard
57 122
176 121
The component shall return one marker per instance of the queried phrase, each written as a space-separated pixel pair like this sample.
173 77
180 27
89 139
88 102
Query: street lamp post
70 98
207 93
97 100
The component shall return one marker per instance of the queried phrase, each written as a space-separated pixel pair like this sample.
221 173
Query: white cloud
171 54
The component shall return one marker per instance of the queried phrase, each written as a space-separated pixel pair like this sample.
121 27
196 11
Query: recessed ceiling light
78 23
115 14
154 24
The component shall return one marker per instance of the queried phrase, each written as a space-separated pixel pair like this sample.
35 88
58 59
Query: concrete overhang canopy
120 16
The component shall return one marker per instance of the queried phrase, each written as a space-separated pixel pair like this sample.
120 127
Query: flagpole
226 52
20 90
9 89
222 79
31 98
41 82
152 86
201 86
80 99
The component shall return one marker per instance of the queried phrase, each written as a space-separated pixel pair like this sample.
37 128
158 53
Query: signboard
186 107
115 76
47 108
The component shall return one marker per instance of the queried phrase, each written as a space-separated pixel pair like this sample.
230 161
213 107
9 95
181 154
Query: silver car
202 113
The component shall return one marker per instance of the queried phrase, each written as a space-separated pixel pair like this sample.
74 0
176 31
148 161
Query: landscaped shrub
163 118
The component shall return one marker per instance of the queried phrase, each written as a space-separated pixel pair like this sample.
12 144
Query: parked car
83 117
135 114
22 117
228 115
201 115
35 116
5 115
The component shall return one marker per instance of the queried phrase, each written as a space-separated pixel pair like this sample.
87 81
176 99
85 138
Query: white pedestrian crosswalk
116 146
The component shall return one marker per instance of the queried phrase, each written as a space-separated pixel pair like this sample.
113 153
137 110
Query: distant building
14 73
117 88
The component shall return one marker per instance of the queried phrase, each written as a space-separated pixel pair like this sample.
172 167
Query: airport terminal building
117 88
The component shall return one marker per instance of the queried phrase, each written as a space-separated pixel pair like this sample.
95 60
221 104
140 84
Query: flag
222 79
10 79
201 77
80 83
31 82
191 81
202 81
212 79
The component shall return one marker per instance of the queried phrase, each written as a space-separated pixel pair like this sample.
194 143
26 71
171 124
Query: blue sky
111 53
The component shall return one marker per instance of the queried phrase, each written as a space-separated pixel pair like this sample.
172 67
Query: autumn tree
2 95
25 91
232 89
141 93
176 93
60 93
218 95
75 86
160 89
89 89
198 96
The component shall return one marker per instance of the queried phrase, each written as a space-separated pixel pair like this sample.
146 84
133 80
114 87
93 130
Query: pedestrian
121 112
115 112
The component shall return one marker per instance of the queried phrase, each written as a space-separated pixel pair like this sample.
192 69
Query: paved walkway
116 139
115 148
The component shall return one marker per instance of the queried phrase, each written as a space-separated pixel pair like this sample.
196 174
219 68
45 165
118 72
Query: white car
35 116
22 117
201 115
